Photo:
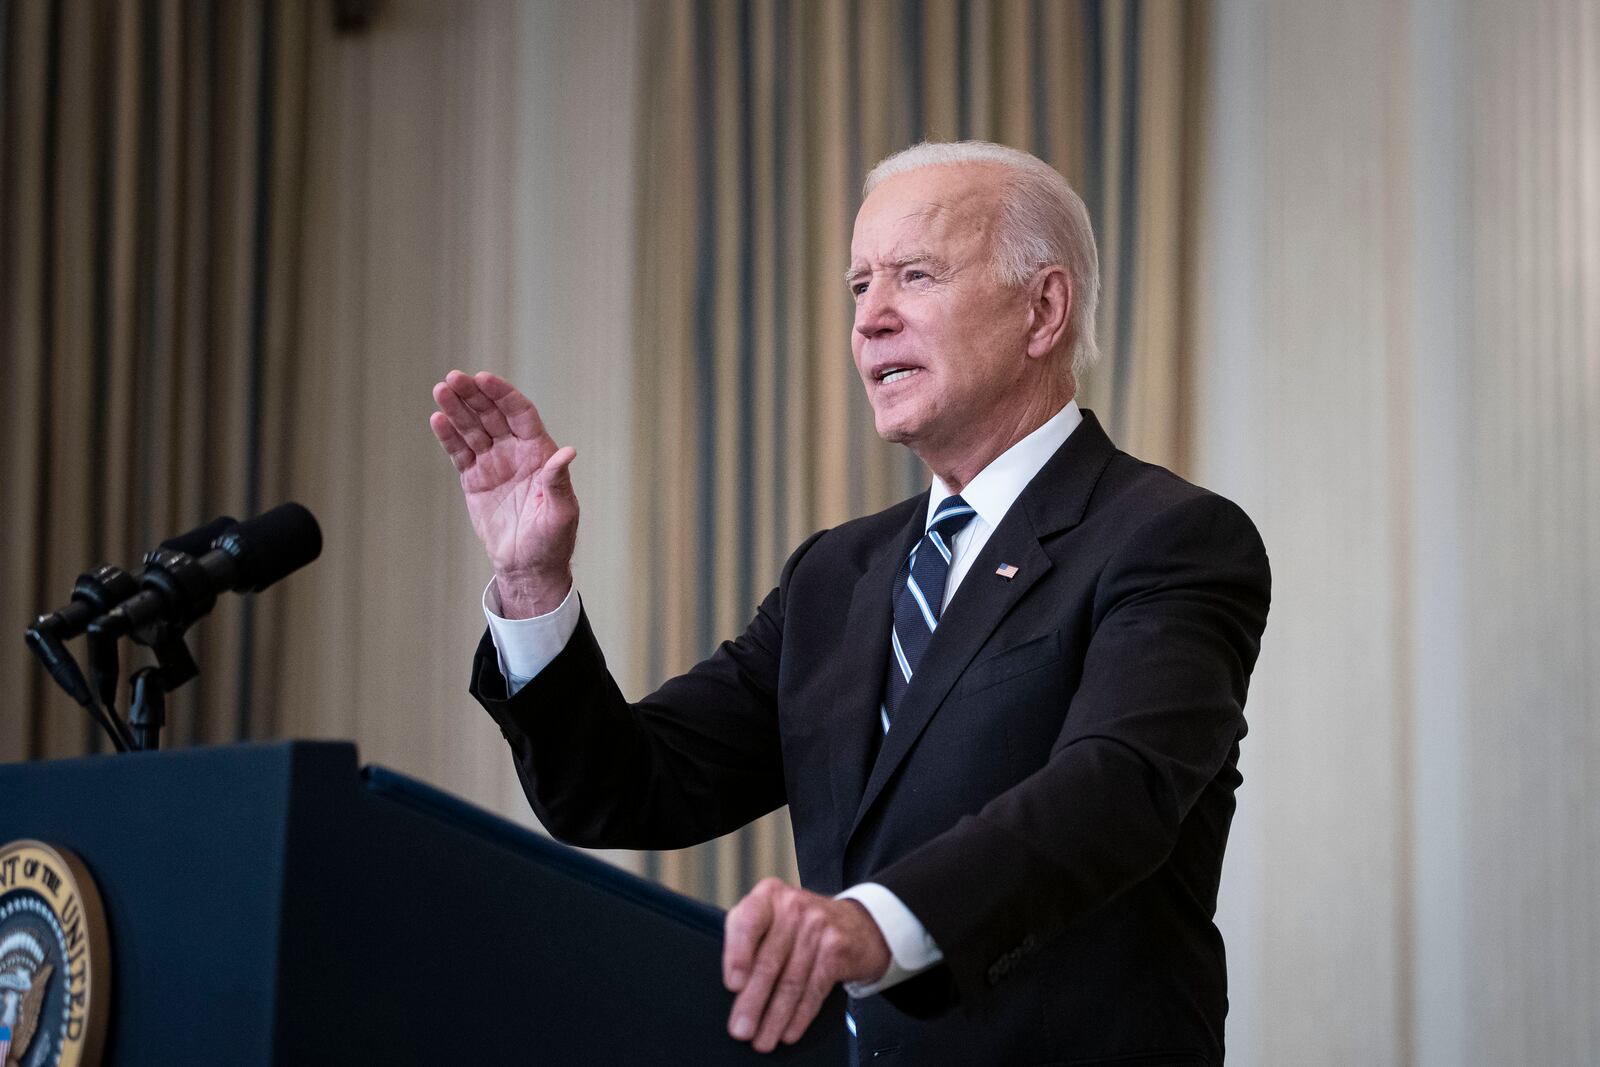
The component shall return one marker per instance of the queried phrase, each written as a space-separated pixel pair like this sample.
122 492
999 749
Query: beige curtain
758 121
443 189
150 183
1403 368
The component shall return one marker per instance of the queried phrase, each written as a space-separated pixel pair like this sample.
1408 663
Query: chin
898 423
895 431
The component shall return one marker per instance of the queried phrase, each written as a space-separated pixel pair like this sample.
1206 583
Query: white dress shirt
526 646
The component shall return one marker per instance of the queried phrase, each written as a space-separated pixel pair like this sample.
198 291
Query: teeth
895 375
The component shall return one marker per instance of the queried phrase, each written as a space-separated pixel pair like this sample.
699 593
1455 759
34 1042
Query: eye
858 288
915 275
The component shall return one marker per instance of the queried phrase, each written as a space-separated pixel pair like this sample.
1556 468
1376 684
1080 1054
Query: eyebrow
905 259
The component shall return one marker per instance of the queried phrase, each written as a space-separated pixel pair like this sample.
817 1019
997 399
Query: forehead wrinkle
967 214
926 213
969 202
963 214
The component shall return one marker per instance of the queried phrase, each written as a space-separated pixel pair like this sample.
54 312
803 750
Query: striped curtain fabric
151 162
758 121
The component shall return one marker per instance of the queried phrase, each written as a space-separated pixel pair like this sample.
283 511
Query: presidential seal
55 959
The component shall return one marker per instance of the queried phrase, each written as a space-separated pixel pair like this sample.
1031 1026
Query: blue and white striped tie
919 598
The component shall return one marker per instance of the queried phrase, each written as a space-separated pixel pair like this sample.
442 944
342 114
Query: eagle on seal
24 980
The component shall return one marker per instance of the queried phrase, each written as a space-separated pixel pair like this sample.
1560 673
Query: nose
875 311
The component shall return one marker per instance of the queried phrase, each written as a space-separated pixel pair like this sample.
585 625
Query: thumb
554 477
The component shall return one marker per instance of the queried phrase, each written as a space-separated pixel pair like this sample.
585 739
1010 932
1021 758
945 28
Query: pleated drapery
1404 394
151 171
758 121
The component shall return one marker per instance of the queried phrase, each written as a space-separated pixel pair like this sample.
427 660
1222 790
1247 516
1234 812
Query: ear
1049 308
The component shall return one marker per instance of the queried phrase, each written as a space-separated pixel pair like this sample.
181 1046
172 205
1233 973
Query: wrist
877 955
526 594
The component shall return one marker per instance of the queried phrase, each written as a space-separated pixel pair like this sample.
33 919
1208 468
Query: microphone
96 593
180 587
100 590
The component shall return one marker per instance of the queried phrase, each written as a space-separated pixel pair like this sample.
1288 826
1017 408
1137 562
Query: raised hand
517 487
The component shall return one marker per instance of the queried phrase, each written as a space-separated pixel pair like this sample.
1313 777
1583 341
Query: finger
456 448
463 418
488 412
520 414
771 956
793 983
825 973
554 477
747 921
805 1012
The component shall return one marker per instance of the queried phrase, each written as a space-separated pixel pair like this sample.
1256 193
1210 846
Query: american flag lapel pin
1006 571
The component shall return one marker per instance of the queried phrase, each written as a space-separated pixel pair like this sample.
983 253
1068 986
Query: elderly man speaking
1005 714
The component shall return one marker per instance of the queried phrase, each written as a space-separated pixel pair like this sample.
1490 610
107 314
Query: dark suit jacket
1052 801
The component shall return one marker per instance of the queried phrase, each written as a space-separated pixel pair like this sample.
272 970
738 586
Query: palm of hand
520 524
518 491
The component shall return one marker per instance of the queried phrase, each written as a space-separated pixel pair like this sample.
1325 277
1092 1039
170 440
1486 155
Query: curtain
758 121
150 187
466 166
1404 375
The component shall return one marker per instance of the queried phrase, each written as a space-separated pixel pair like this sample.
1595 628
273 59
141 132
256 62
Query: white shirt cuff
526 646
911 949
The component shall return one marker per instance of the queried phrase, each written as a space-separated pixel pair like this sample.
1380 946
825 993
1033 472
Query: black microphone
100 590
180 587
201 538
96 593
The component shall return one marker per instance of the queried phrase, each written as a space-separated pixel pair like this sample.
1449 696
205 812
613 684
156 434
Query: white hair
1042 223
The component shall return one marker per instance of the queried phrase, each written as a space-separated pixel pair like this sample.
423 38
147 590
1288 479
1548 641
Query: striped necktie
919 598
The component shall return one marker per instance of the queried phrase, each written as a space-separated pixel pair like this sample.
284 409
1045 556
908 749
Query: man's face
939 343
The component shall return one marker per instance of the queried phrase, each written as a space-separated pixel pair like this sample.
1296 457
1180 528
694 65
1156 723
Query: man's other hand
786 948
518 491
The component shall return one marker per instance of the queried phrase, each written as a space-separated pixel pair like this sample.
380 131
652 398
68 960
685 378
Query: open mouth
895 374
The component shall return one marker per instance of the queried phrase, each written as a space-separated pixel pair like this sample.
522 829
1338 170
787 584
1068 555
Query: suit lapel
1055 500
864 661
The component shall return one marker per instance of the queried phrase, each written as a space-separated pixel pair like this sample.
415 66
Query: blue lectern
274 904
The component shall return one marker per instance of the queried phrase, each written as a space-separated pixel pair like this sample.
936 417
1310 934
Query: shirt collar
998 485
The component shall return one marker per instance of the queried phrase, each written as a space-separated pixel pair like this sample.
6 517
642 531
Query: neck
958 464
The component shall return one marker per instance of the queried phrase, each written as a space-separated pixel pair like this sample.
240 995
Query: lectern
276 904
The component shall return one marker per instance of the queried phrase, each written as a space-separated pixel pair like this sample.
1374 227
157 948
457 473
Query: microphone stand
175 665
104 668
148 686
175 589
106 715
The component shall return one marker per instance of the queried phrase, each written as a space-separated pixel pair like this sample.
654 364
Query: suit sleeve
1177 619
696 759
